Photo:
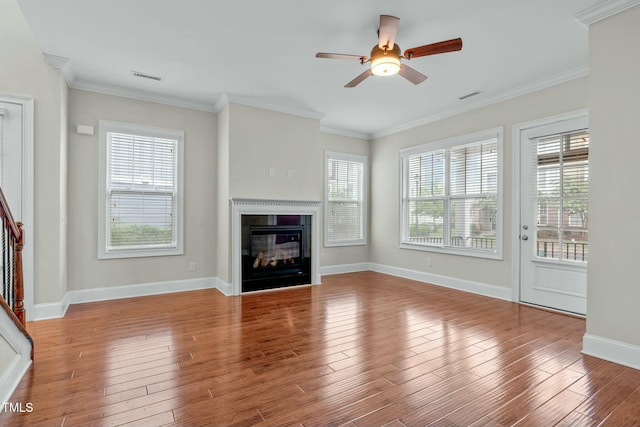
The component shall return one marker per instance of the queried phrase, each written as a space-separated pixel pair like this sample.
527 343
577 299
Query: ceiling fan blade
355 82
411 74
360 58
387 31
434 48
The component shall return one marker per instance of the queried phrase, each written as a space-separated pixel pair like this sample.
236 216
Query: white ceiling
263 53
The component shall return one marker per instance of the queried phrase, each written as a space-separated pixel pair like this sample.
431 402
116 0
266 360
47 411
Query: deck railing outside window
573 251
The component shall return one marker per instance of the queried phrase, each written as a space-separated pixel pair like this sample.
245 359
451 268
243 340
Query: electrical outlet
429 262
192 266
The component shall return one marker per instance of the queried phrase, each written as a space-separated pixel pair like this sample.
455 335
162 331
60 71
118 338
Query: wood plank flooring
363 349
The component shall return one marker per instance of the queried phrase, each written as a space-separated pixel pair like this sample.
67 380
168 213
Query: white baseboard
57 310
224 287
51 310
479 288
344 268
614 351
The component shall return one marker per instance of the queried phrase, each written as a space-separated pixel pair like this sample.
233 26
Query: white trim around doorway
518 132
27 197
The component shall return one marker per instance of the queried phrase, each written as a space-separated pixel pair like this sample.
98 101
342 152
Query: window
345 204
563 189
140 191
450 195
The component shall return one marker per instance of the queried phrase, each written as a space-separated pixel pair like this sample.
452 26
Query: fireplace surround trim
241 207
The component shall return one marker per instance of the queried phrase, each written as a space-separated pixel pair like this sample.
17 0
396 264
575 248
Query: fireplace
274 244
275 256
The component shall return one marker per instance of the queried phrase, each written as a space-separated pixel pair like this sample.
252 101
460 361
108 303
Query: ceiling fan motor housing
385 62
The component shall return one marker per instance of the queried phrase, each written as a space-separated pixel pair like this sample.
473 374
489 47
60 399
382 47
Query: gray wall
226 155
23 72
200 175
261 139
336 255
385 171
251 141
614 91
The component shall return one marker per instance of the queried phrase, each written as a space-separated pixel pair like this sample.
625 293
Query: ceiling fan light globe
385 67
385 62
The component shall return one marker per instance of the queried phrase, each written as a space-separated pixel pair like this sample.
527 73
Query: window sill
139 253
452 251
345 243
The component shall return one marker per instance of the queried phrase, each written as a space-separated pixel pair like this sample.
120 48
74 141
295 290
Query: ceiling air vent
146 76
469 95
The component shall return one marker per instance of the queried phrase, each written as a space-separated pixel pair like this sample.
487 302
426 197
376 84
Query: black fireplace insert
275 257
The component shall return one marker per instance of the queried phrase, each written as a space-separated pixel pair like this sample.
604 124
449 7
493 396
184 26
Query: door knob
525 237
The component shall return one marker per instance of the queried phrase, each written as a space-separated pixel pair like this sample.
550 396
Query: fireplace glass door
275 257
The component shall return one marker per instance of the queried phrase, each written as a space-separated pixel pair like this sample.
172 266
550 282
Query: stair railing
11 265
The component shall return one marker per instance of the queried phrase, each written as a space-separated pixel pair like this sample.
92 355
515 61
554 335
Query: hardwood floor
363 349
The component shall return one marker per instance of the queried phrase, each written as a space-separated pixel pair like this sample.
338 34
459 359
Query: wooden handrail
6 214
13 285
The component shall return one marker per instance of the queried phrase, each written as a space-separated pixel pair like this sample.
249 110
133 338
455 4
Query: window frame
104 252
571 158
447 145
363 202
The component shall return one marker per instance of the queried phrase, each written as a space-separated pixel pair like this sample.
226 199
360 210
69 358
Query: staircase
16 345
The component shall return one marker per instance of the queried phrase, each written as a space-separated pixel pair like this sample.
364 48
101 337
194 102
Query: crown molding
555 80
60 63
348 133
604 10
55 61
250 101
226 98
220 103
142 96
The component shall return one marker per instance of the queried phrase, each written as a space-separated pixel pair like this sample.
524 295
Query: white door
11 155
554 248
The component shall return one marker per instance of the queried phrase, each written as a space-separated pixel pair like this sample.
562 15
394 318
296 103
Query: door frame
518 131
27 198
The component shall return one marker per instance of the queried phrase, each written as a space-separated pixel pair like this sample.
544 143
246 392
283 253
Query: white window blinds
426 201
142 191
344 201
562 181
473 195
450 195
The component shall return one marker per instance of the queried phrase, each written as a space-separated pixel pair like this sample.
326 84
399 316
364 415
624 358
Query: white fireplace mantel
241 207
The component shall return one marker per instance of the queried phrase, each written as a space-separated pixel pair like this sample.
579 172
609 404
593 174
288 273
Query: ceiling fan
385 56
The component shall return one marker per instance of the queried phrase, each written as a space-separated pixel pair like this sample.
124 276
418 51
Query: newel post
18 286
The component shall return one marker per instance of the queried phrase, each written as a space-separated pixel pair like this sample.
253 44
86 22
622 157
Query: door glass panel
562 195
